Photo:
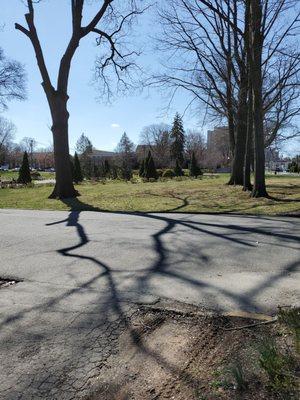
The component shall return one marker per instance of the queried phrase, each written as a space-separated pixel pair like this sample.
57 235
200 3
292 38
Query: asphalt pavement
81 275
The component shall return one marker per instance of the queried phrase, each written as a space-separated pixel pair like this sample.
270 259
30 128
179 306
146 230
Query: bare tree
208 61
12 80
195 143
157 138
7 133
110 24
15 155
29 145
274 62
214 47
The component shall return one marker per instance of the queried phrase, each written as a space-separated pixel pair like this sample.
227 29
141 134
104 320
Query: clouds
115 126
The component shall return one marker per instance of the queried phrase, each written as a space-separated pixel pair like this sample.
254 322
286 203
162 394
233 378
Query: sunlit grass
9 175
208 195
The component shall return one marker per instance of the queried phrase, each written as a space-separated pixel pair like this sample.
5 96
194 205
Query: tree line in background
239 58
161 148
11 153
164 151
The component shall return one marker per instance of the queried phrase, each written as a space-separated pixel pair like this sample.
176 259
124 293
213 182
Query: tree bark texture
259 188
64 187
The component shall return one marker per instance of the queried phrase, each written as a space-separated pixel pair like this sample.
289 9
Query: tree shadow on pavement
161 267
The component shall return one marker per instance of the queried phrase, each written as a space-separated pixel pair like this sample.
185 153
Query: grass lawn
9 175
208 195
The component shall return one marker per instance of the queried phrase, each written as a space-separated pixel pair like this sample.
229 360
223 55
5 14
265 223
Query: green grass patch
9 175
208 195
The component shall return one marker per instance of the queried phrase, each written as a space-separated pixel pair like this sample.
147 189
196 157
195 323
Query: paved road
44 181
83 273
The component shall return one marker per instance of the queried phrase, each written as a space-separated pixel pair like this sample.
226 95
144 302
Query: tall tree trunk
248 153
229 98
249 141
241 133
259 188
64 187
231 131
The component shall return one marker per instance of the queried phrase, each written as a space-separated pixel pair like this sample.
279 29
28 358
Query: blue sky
102 123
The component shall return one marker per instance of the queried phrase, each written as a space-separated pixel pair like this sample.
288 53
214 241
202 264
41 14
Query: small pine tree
24 173
149 167
195 170
178 170
146 164
77 170
126 171
142 169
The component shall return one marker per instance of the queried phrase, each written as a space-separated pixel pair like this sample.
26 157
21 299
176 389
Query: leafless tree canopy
7 132
205 45
195 143
157 138
28 144
12 81
116 69
111 26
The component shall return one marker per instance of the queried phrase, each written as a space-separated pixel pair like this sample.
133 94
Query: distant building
274 162
38 160
99 156
218 148
217 137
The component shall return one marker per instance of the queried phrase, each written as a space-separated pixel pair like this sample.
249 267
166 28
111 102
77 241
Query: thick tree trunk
249 142
231 128
64 187
229 95
248 153
247 186
241 134
259 188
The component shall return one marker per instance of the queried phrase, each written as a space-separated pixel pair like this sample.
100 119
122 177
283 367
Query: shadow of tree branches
161 267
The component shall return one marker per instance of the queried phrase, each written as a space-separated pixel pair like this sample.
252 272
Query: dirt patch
183 356
6 282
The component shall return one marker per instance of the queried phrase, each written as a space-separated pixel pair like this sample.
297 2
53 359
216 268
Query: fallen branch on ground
272 321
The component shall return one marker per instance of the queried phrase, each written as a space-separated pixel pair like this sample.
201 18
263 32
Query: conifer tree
125 150
195 170
149 167
178 170
24 172
146 164
178 140
77 170
126 170
72 167
106 168
142 168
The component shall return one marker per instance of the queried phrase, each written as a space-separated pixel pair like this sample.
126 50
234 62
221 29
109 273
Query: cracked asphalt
83 275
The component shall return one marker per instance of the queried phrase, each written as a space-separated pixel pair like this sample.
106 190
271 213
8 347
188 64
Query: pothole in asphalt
6 282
